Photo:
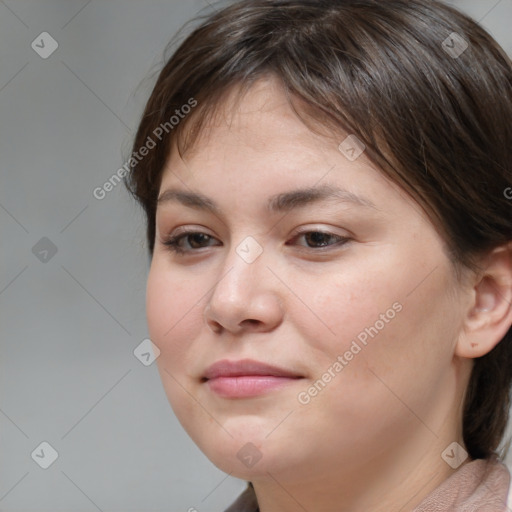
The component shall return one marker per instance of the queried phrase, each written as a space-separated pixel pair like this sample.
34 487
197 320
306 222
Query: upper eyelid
187 231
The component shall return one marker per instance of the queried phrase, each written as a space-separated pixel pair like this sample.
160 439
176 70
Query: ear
489 315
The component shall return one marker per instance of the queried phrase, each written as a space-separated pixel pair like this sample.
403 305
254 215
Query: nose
245 297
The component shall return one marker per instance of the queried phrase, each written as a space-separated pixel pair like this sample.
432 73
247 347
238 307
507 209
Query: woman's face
350 292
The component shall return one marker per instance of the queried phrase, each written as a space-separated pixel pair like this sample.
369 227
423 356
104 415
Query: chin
246 463
246 455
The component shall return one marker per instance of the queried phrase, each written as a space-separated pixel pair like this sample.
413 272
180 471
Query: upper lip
243 367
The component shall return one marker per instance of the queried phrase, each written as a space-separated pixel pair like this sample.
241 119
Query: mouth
246 378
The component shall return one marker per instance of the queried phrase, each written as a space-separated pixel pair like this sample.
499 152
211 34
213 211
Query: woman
327 191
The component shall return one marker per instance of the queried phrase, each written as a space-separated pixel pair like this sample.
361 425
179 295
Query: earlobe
489 316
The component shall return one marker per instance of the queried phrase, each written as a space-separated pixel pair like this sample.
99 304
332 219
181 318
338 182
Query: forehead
257 144
257 158
259 118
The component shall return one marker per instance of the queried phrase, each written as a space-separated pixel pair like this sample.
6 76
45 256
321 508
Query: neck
396 480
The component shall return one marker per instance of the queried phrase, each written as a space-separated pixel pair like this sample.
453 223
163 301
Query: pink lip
246 378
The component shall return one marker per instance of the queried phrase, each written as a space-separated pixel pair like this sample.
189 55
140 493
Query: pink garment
481 485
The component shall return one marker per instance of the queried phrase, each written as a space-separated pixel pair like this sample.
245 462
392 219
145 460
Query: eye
194 239
320 239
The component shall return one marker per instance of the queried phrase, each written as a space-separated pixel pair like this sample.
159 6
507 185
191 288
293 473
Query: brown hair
435 116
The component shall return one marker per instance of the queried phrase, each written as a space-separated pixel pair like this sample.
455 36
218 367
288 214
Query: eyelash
172 242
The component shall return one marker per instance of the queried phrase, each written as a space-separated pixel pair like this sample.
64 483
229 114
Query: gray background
69 325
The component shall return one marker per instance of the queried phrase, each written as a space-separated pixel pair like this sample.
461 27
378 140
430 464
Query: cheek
172 307
404 342
401 368
382 322
172 315
344 306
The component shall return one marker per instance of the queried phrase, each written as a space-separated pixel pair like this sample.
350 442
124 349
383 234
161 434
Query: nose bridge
243 289
243 268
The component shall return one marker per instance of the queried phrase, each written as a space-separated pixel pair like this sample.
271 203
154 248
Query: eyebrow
283 202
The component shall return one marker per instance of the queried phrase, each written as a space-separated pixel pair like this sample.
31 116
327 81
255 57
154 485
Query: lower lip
247 386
